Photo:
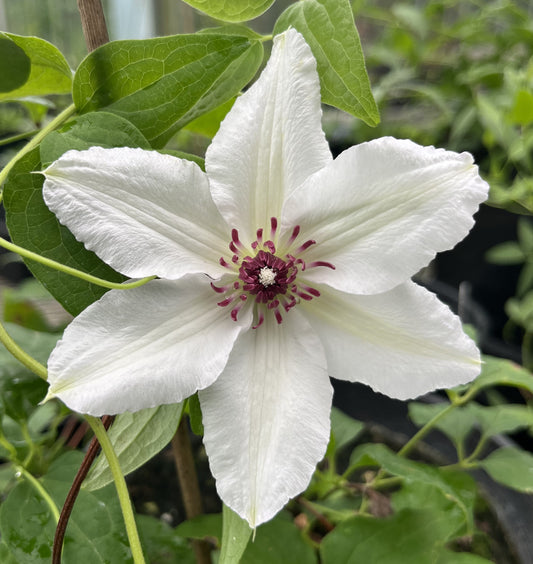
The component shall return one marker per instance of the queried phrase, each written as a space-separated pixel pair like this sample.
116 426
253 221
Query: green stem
29 442
8 446
23 357
120 484
456 401
421 433
54 124
72 271
19 137
39 488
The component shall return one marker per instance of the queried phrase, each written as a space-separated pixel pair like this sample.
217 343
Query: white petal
266 419
139 348
402 343
271 140
382 210
141 212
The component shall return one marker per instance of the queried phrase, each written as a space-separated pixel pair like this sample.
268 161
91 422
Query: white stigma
267 276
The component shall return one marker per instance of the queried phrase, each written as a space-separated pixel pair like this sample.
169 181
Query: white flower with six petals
277 267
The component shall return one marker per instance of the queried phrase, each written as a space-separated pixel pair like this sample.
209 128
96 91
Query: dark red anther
320 263
305 246
219 289
273 227
295 233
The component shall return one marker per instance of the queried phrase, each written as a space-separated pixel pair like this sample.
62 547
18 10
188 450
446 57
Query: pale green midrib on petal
135 212
140 344
273 198
401 341
399 203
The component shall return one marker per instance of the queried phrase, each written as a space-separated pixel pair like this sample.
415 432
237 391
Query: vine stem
54 124
189 487
23 357
93 23
72 271
19 137
120 483
74 491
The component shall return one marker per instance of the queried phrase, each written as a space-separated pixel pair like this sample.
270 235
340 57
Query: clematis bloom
276 268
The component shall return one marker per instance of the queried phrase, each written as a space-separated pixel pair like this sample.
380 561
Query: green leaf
137 437
201 527
162 84
6 556
506 253
344 428
512 467
160 543
235 536
494 420
409 536
525 280
458 424
97 128
195 415
416 495
15 65
449 557
33 226
329 29
500 372
410 471
20 389
95 532
520 310
188 156
209 123
27 526
279 541
49 71
525 234
232 10
522 110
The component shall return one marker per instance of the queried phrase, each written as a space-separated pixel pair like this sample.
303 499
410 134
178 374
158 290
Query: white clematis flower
277 267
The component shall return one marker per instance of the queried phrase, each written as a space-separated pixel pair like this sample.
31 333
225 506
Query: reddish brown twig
66 510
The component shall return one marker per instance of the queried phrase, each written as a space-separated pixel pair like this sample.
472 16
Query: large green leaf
33 226
95 532
329 29
407 537
232 10
162 84
417 495
512 467
97 128
137 437
49 72
160 543
20 389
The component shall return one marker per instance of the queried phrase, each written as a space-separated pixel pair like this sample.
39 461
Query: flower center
267 276
268 279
